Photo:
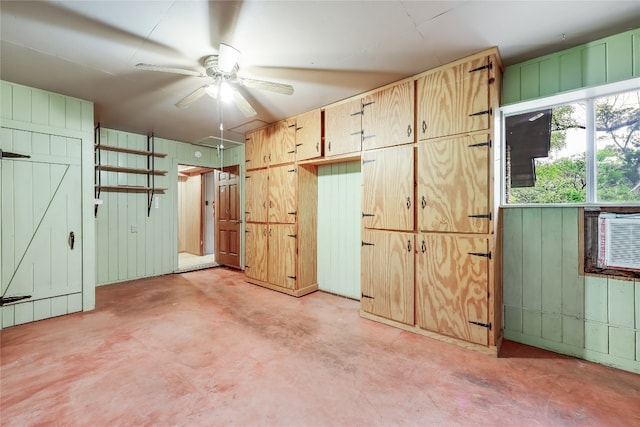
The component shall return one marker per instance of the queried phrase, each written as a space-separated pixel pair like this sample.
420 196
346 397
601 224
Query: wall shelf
107 168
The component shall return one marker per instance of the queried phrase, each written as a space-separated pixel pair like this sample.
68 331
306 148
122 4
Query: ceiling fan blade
243 105
173 70
227 57
193 96
282 88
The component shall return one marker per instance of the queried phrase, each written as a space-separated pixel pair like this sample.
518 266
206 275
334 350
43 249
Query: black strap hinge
9 300
292 235
366 214
482 144
10 155
481 216
298 145
359 132
367 243
292 213
367 136
482 254
488 66
367 296
484 325
292 170
297 129
480 113
364 162
366 104
292 126
357 113
292 277
291 152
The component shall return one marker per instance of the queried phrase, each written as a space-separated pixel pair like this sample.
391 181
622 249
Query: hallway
207 348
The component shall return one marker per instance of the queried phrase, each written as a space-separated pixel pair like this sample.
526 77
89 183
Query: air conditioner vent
619 241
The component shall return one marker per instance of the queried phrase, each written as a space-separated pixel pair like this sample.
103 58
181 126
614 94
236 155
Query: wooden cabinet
456 99
282 255
282 143
387 274
256 240
309 135
256 150
343 128
452 295
387 117
256 195
388 189
453 184
282 194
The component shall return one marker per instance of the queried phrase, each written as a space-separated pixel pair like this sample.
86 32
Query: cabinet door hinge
357 113
364 162
482 254
367 136
292 235
367 296
480 113
367 214
366 104
292 213
481 144
367 243
292 277
291 152
292 170
484 325
488 66
481 216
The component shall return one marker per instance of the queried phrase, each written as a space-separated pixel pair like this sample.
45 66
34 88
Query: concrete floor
206 348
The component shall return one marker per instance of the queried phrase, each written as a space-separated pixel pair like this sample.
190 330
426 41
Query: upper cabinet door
256 195
256 150
343 128
456 99
282 144
309 135
282 194
387 189
387 117
453 184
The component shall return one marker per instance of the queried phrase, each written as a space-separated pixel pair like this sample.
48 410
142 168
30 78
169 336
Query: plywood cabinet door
309 135
456 99
256 150
343 128
452 286
256 251
282 194
282 143
282 255
453 184
387 189
256 195
387 117
387 274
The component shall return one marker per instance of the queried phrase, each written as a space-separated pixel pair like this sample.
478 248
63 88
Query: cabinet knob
408 202
423 202
409 131
329 146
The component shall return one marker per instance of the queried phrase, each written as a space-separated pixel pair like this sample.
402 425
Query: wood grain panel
387 117
307 251
256 195
282 194
282 143
453 184
256 251
309 135
449 98
256 149
282 255
343 128
451 286
387 274
387 190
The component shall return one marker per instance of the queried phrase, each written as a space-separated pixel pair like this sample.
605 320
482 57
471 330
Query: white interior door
41 240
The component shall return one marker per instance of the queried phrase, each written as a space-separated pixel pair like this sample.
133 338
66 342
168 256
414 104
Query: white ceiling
328 50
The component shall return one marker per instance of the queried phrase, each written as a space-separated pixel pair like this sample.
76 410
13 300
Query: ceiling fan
222 70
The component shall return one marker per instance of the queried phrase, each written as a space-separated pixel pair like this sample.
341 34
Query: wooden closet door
343 128
256 251
256 148
387 274
387 117
282 143
309 135
453 184
452 286
282 255
282 194
388 199
256 195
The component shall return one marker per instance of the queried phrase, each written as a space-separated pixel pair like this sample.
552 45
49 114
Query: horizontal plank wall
131 245
548 304
30 110
603 61
339 224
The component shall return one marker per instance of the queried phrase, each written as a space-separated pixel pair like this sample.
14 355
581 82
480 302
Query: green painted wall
603 61
130 244
548 304
44 113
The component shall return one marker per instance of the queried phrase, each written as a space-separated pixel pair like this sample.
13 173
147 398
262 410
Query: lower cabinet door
282 255
256 251
387 274
452 286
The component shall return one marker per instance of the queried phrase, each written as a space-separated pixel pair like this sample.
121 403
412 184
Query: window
585 151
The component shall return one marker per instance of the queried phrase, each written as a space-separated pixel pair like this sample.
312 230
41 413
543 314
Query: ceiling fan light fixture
226 92
227 58
212 91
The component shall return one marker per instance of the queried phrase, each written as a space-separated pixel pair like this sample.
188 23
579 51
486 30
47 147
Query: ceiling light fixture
226 92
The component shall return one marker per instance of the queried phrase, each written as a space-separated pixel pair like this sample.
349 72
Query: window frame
586 95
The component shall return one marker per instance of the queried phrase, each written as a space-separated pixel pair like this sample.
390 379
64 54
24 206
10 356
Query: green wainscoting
600 62
548 304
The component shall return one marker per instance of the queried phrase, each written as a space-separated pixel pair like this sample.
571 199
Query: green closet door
41 248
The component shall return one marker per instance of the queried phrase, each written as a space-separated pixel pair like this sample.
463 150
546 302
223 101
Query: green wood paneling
532 322
607 60
596 337
596 299
552 327
621 303
513 261
622 342
532 268
573 331
572 283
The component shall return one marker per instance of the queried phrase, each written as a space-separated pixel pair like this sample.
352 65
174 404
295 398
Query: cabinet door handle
317 146
408 203
424 126
423 202
409 131
408 245
72 240
329 147
423 247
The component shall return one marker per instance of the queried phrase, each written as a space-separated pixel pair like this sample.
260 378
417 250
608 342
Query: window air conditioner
619 241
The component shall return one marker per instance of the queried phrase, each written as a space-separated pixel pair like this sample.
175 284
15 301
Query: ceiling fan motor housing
211 66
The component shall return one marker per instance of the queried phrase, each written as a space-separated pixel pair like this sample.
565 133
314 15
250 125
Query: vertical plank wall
339 223
548 304
150 248
44 113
